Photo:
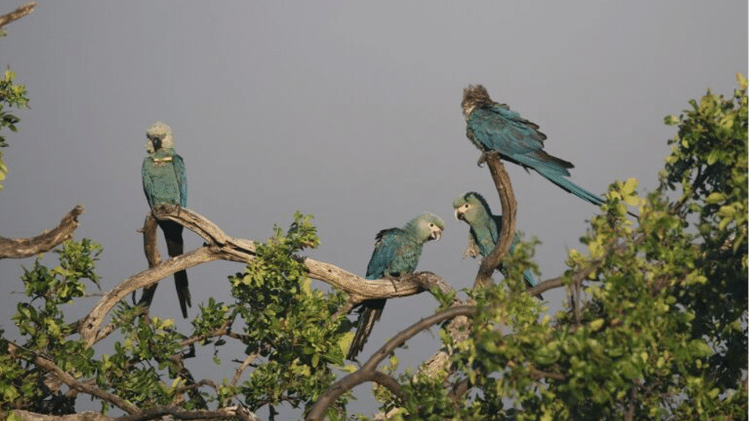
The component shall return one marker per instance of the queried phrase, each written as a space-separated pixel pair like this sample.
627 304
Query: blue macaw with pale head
494 127
484 228
165 183
396 253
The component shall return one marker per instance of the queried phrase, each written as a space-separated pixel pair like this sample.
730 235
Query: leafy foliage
13 96
41 322
287 323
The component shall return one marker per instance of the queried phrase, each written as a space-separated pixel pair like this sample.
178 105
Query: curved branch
508 230
89 326
220 246
18 248
367 371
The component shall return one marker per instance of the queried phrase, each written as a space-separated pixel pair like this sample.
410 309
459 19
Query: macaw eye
466 206
431 225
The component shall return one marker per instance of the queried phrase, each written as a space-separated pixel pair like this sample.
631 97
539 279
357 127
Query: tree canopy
654 323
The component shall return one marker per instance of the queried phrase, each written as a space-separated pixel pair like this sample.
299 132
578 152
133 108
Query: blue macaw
494 127
165 183
484 228
396 253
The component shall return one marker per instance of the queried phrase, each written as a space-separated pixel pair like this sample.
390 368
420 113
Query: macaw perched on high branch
484 228
165 183
494 127
396 253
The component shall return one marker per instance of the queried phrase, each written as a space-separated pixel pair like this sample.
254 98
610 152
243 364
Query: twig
238 373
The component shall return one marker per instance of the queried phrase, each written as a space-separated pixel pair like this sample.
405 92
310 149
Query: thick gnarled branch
19 248
220 246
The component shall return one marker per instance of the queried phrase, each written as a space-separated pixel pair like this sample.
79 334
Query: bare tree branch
508 229
20 12
81 416
19 248
220 246
152 256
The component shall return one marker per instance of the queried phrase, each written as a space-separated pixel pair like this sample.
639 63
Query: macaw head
426 227
475 96
159 137
471 207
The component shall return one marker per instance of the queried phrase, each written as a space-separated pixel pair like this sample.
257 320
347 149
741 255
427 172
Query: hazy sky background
344 110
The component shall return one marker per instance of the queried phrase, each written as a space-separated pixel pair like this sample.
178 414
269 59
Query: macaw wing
179 169
148 184
387 243
498 219
505 131
472 248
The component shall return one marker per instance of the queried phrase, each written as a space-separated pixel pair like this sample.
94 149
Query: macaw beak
436 233
458 214
156 141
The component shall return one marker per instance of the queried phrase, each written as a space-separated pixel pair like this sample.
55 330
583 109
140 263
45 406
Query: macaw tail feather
371 312
531 281
529 278
183 292
574 188
175 246
571 187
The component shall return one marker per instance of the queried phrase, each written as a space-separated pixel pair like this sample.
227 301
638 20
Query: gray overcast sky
344 110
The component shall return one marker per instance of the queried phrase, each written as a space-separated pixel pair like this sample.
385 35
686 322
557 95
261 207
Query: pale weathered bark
19 248
219 246
20 12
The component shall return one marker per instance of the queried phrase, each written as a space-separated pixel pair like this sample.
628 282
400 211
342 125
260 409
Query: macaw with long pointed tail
165 183
397 252
494 127
484 228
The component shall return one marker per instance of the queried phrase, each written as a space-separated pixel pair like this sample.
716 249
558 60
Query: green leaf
715 198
